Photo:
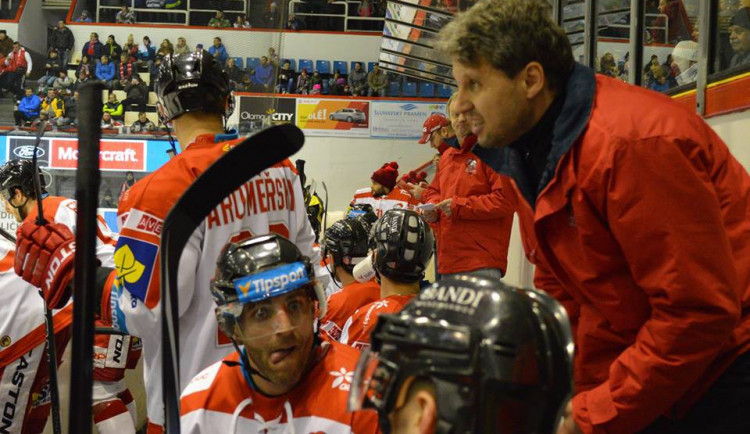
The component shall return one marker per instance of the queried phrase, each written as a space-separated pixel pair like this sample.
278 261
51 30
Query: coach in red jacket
472 219
635 214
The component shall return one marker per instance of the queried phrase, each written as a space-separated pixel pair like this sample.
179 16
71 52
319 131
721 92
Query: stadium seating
409 89
426 90
340 66
306 64
444 91
253 62
292 63
238 62
323 67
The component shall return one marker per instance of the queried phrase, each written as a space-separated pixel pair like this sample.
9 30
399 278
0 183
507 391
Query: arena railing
345 16
184 13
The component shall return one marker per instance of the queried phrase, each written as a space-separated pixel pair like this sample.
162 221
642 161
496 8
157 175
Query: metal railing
185 13
345 16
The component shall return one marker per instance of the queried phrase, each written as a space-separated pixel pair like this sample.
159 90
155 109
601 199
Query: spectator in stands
125 16
317 88
62 41
108 122
125 71
165 48
659 82
685 55
146 53
93 49
84 18
358 80
336 84
271 17
143 124
219 52
136 94
17 65
105 71
63 81
107 202
131 48
155 4
53 106
246 85
739 37
273 58
219 21
677 22
294 23
241 22
112 49
182 46
114 107
71 111
6 43
377 82
234 73
28 108
51 67
85 70
263 76
315 79
608 66
648 71
285 78
303 83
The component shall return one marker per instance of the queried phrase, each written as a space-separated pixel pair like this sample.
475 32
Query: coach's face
498 107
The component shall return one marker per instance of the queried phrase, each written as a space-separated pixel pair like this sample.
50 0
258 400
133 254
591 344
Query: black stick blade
247 159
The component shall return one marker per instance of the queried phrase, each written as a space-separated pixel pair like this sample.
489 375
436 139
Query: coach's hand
45 258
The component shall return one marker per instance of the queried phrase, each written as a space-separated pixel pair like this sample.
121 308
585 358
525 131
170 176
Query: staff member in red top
472 218
635 214
387 194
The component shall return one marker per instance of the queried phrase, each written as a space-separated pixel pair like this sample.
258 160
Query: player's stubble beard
289 372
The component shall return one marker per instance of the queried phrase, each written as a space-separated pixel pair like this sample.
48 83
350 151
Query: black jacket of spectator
235 74
62 39
55 66
136 91
113 51
71 109
98 50
285 75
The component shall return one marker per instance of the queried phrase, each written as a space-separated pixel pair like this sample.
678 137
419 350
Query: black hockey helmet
347 241
500 358
19 174
403 245
192 82
257 269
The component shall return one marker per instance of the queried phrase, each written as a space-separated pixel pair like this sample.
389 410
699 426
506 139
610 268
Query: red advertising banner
114 154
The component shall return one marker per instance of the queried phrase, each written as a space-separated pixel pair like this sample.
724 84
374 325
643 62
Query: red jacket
343 304
477 233
641 229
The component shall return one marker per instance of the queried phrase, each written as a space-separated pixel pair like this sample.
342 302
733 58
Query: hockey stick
87 193
246 160
7 235
325 207
48 320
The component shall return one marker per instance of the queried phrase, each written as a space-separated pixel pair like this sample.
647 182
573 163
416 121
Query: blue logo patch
134 261
408 107
280 280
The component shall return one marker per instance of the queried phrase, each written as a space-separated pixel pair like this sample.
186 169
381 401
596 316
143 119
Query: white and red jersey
344 303
356 332
270 202
398 198
316 405
24 393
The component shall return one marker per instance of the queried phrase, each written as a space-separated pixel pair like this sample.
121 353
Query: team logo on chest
342 379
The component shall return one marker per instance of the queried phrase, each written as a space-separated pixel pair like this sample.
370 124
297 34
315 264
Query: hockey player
24 372
282 379
403 245
468 355
384 194
194 95
113 405
345 245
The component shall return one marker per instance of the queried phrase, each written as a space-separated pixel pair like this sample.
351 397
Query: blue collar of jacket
573 118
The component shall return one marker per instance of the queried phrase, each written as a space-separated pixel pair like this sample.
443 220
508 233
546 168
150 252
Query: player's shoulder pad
203 380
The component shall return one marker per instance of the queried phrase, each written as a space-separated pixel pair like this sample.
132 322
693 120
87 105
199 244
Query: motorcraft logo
280 280
113 155
27 152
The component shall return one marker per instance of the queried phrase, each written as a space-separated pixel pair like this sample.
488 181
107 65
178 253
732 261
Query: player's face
494 104
9 208
377 189
278 336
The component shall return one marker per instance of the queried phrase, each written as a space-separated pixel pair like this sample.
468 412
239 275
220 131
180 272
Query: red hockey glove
45 258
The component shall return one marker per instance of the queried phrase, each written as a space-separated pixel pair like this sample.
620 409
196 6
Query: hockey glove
45 257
